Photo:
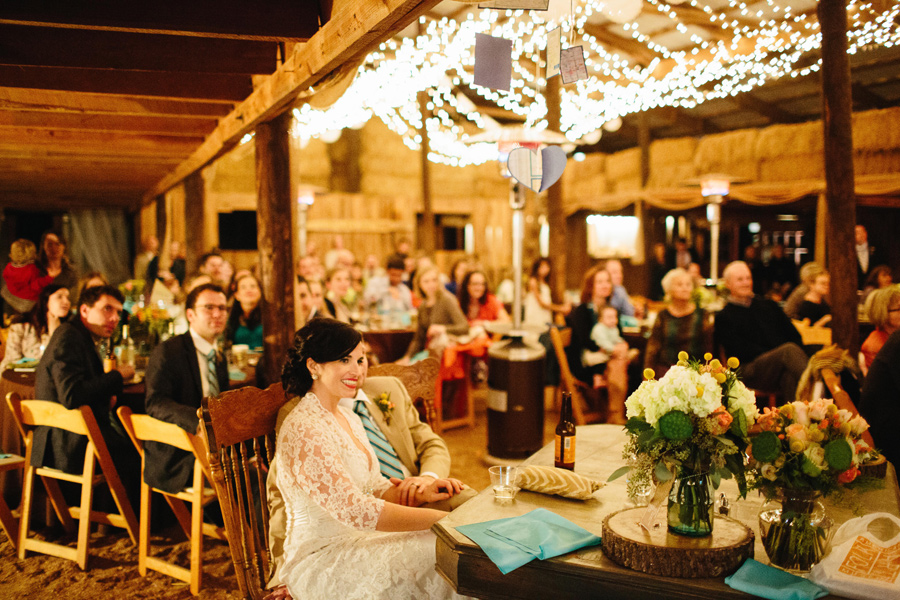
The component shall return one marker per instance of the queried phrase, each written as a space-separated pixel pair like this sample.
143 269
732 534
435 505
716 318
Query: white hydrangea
681 389
637 402
742 398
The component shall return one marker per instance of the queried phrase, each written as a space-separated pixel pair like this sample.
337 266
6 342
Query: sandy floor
113 562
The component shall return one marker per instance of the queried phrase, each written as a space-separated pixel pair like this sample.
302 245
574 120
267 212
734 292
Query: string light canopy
675 53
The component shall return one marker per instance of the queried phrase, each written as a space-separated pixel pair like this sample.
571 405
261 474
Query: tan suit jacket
418 447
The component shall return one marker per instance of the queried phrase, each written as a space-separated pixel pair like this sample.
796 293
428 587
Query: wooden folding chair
239 433
419 380
9 521
34 413
581 409
812 336
842 399
144 428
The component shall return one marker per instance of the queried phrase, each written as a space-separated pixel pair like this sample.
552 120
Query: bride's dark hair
323 340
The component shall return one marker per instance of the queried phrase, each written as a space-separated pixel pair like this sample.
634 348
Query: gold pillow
561 482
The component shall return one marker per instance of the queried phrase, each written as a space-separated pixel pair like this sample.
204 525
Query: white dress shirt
203 347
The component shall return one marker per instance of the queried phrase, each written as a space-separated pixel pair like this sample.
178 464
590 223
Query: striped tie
211 377
390 464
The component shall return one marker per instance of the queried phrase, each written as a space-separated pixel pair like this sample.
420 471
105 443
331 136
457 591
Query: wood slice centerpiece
659 552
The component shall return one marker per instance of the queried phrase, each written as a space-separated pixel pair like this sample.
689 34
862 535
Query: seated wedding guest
477 303
143 261
71 373
213 265
181 371
781 273
538 305
337 283
439 313
310 299
398 436
54 261
607 337
30 333
22 279
760 335
879 400
585 358
387 294
371 268
815 306
457 272
798 294
89 280
879 278
680 326
340 509
177 266
658 270
883 308
244 324
619 299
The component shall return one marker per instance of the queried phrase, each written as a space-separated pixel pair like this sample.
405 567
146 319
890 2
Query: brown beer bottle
109 357
564 457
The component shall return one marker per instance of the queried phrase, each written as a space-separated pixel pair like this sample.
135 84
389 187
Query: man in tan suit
423 454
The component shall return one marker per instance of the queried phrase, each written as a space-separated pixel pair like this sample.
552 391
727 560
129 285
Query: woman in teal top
245 320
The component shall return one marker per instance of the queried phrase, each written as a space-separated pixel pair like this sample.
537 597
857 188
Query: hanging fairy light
746 46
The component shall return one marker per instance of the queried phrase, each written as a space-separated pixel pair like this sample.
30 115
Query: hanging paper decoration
537 170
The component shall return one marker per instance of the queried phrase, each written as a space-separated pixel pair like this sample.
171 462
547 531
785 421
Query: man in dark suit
181 371
866 256
71 373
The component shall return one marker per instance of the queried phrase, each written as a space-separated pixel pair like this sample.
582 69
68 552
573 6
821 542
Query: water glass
504 481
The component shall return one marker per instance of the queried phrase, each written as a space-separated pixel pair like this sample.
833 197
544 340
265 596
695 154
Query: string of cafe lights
758 43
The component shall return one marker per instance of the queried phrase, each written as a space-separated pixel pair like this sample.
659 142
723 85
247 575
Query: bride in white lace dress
347 535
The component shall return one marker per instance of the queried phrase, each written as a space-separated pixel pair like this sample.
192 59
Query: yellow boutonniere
383 402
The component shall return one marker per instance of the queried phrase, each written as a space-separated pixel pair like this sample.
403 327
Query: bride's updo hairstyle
324 341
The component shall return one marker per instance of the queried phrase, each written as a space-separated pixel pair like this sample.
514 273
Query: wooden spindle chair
144 428
581 408
239 433
420 381
30 414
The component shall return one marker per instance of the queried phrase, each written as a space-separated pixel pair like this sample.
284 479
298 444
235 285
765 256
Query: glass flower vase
691 504
795 529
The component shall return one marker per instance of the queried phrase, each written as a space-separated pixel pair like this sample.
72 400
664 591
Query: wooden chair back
239 433
144 428
813 336
420 381
842 399
30 414
581 411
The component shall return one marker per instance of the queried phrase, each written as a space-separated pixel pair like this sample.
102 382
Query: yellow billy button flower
733 363
707 357
683 356
715 364
649 374
720 377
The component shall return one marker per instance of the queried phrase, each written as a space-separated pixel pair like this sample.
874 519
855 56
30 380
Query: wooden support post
275 241
837 115
161 218
821 253
644 143
194 213
556 216
426 241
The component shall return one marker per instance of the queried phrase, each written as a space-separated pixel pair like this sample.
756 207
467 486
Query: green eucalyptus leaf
618 473
662 472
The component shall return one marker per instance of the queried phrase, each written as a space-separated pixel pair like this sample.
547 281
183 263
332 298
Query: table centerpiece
689 428
800 453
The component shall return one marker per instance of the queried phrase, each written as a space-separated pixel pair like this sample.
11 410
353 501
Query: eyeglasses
894 309
211 308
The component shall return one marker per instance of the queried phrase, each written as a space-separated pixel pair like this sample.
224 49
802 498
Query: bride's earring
315 376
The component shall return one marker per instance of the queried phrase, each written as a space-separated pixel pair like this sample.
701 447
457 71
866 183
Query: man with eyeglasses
71 373
181 371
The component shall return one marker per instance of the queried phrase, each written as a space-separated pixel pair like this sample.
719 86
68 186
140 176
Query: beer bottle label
565 449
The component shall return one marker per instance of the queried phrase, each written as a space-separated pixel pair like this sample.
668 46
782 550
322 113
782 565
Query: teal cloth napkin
768 582
236 375
513 542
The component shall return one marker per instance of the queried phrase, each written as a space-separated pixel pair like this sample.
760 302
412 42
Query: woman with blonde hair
439 312
883 308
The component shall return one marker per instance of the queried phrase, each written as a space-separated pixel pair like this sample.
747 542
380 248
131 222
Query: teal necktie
390 463
211 377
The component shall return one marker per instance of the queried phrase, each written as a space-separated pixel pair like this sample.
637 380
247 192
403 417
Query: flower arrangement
694 421
383 402
147 326
132 289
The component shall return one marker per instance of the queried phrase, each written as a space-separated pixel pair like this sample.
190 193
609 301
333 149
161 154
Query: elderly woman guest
30 332
883 308
680 326
348 535
814 306
585 358
53 260
477 303
439 312
245 319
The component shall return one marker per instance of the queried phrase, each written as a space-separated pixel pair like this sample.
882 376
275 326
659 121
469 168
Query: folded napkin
561 482
513 542
236 375
768 582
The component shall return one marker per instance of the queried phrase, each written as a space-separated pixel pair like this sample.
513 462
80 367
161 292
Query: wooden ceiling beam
272 20
55 101
168 126
13 156
138 83
864 98
56 47
109 143
617 43
355 27
674 116
72 200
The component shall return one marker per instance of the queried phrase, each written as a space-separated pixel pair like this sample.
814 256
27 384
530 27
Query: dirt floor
113 561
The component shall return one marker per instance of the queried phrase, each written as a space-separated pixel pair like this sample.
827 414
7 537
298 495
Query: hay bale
781 141
732 153
628 184
876 129
876 163
624 164
790 168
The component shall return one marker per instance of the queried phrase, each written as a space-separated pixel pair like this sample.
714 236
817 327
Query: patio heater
714 188
515 403
306 196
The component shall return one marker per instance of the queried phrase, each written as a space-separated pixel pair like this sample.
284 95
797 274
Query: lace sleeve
309 452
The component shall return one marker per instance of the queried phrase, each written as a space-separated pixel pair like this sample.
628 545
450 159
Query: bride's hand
409 489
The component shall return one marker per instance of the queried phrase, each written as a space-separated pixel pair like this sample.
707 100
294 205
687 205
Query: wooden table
588 573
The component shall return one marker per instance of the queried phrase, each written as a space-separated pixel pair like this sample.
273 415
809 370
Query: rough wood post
837 115
426 240
194 214
556 216
275 242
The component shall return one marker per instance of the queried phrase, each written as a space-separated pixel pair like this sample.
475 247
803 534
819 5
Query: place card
571 65
493 62
554 46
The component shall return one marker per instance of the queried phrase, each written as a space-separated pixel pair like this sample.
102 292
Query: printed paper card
493 62
571 65
554 46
